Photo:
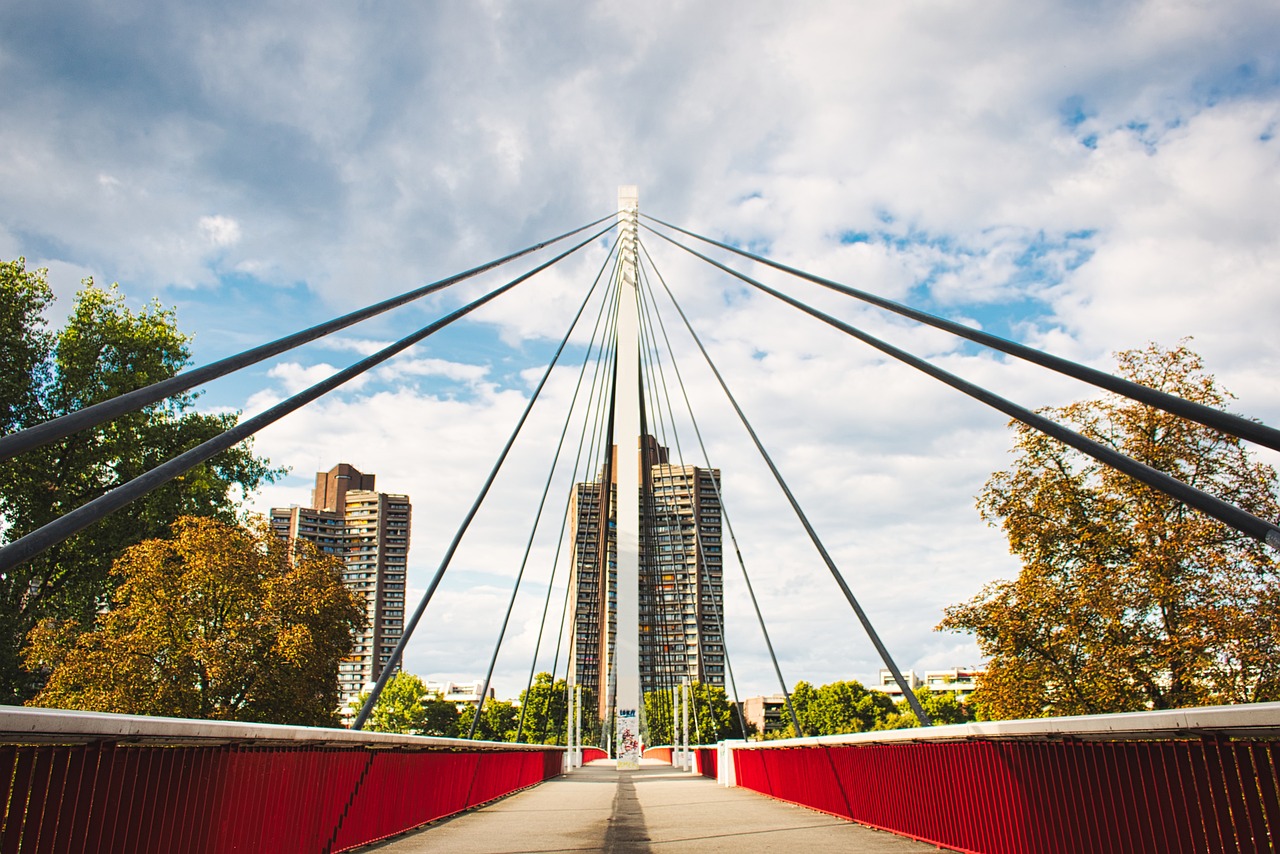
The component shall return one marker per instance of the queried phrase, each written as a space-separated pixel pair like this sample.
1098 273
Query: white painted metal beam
626 433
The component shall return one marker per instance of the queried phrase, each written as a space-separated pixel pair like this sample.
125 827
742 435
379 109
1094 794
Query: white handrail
25 725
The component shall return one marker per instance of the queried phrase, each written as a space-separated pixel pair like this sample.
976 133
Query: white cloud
363 346
220 231
433 368
295 377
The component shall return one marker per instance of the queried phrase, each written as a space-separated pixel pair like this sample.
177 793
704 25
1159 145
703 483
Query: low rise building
767 714
458 692
953 680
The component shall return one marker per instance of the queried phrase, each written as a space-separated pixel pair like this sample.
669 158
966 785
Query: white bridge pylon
626 430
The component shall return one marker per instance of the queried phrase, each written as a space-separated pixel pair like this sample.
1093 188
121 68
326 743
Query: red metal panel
662 754
55 782
1136 783
307 790
1097 794
963 793
171 797
1216 811
1074 804
96 820
942 769
8 761
1033 768
138 807
53 803
1249 779
199 834
19 794
72 800
1173 796
1236 778
298 803
225 794
1006 828
998 797
1119 809
315 834
38 796
189 823
1264 763
277 812
1084 795
1210 829
119 796
1054 793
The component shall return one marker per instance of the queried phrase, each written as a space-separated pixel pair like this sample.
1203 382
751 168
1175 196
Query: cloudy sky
1084 177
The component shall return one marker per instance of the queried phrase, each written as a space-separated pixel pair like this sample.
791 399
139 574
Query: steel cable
755 603
90 416
1210 505
718 615
804 519
412 623
1235 425
542 503
555 561
65 526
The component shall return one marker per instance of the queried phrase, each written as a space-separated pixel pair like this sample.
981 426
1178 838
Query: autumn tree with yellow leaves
1127 599
218 621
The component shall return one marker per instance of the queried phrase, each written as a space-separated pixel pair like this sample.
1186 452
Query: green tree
545 705
715 717
943 707
1127 599
406 706
837 708
497 721
657 717
219 622
104 349
711 715
439 718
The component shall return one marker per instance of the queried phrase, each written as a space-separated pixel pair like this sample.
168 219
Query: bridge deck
657 808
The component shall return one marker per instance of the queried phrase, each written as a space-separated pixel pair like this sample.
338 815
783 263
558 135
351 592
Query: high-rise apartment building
681 576
369 532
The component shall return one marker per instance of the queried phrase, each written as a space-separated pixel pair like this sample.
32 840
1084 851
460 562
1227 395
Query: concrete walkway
598 808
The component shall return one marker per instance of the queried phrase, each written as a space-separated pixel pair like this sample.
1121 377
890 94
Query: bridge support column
687 691
626 432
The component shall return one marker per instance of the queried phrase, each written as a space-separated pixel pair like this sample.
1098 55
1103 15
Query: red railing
708 761
705 756
662 754
1101 788
591 754
133 785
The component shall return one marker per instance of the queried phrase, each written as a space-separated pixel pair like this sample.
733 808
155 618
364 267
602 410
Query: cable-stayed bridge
1194 780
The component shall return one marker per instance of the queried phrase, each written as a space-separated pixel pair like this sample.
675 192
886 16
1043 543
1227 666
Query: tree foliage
942 707
217 622
837 708
545 707
497 721
103 350
711 715
1126 598
406 706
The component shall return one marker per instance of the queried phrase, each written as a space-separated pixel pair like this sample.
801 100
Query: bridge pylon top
628 198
